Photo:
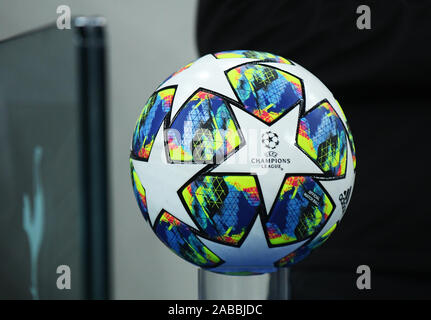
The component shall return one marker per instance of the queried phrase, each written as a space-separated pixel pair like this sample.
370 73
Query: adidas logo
344 199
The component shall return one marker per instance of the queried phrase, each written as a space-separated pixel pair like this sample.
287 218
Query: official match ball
242 162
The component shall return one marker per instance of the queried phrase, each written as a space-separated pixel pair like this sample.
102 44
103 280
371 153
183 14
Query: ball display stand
214 286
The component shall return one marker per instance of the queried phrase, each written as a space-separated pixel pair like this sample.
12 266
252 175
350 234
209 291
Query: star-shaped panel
162 179
179 71
269 165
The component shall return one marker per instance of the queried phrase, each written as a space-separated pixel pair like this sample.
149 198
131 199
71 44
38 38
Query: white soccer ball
242 162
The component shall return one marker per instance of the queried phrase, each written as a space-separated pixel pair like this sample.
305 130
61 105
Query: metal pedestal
213 286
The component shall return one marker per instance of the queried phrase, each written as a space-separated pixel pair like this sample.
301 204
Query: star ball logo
270 140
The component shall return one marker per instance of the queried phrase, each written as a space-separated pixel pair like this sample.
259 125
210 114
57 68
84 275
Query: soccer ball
242 162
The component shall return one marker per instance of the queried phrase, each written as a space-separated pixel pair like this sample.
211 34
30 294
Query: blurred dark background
380 77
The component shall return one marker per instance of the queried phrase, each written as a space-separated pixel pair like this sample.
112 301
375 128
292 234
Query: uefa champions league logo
270 140
270 158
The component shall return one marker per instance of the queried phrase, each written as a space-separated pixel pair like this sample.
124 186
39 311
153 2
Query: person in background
380 76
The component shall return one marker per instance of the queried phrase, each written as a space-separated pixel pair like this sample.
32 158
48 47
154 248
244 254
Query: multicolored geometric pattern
149 122
182 240
302 252
269 57
349 131
223 206
301 210
203 131
267 93
294 257
322 137
139 191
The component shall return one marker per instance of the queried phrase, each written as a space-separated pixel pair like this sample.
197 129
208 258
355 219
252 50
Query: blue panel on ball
203 131
300 210
302 252
149 122
269 57
322 137
224 207
182 240
265 92
139 191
